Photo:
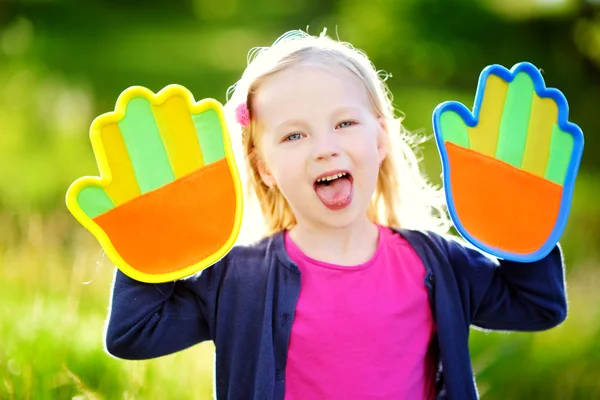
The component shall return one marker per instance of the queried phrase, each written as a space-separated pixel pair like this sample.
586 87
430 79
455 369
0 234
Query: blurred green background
64 62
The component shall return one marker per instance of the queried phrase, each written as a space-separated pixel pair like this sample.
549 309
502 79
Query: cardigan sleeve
513 296
151 320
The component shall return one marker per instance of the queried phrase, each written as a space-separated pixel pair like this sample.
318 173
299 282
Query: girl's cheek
367 151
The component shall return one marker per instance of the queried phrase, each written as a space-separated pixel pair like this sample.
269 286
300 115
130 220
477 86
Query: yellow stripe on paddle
123 186
179 135
544 113
484 138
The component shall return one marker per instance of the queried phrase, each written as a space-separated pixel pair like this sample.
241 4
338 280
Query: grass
54 293
561 363
55 287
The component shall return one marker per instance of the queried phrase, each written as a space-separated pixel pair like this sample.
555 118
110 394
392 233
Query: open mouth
334 189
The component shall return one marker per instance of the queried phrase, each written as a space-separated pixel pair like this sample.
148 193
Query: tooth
332 177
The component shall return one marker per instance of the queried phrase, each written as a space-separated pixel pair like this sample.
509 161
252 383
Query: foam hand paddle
509 167
168 201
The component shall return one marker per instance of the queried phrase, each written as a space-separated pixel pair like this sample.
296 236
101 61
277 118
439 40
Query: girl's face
315 123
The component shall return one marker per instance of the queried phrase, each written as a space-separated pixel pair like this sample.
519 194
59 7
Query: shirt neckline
291 247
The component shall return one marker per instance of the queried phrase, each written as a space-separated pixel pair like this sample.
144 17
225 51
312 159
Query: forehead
305 90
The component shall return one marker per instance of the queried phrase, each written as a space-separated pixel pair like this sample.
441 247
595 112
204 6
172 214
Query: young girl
350 294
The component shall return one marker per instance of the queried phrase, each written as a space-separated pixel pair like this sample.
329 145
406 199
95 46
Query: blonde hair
402 198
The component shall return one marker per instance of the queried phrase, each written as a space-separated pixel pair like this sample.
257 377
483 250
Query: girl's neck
351 245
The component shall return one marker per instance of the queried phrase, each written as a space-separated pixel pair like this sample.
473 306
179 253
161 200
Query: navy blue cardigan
245 303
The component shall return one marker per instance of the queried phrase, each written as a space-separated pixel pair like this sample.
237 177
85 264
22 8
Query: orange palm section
177 225
501 205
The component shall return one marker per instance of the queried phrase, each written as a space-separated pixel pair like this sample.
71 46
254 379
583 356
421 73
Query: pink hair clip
242 115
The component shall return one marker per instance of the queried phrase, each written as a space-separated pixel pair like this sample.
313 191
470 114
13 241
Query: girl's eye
346 124
293 136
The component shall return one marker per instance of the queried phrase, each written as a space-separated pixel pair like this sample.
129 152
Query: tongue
336 194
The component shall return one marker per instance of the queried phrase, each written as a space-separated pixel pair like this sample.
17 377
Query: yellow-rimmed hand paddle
168 202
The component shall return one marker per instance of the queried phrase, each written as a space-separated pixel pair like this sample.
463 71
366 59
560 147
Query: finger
515 120
452 125
145 146
544 114
484 137
209 128
94 201
178 134
123 185
561 152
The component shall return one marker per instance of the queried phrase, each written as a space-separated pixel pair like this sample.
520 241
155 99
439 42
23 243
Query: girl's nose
325 147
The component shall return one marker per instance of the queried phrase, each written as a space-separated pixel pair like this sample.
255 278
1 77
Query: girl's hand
168 200
509 168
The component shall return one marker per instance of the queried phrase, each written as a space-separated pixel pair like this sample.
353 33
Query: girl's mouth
335 189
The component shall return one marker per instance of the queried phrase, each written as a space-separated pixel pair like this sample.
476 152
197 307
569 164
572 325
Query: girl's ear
382 139
263 171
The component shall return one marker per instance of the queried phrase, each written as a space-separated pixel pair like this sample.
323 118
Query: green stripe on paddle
561 150
210 135
454 129
515 120
94 201
145 146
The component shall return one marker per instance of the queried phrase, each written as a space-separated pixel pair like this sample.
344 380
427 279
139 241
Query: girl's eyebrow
300 122
347 108
290 122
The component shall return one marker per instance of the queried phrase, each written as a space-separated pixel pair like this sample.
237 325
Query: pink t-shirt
362 332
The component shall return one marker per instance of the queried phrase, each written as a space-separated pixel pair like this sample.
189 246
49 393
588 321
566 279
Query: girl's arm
152 320
508 295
